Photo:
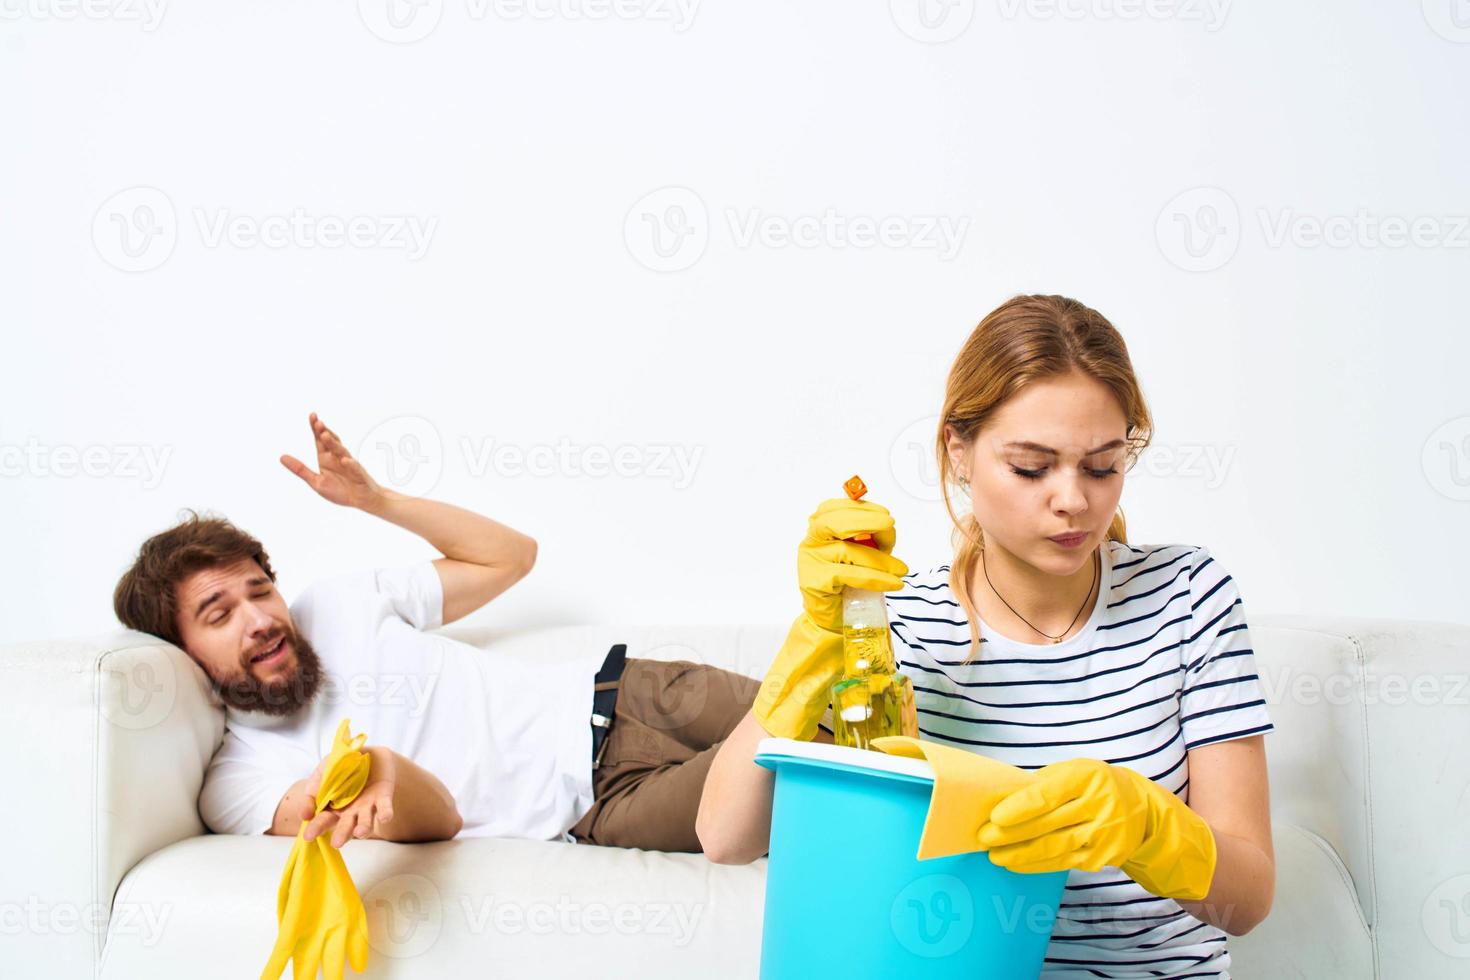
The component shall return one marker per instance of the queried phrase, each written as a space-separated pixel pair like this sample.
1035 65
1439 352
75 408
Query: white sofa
107 870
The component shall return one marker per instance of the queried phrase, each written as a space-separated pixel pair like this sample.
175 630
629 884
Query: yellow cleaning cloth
321 917
966 787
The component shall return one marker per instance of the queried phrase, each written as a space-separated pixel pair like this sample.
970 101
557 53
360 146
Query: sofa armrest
107 739
1316 926
1372 719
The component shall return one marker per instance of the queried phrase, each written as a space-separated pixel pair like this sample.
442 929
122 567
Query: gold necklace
1096 568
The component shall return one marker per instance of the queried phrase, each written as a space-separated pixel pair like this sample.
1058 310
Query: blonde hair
1024 340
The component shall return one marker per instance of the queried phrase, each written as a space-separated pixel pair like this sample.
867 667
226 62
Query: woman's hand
342 479
828 560
1084 814
797 687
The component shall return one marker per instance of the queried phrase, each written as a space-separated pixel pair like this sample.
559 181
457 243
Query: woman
1122 675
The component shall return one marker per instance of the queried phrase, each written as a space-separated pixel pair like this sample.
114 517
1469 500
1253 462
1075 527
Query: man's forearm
423 808
457 533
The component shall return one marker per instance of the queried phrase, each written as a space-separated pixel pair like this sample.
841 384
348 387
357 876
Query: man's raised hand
341 479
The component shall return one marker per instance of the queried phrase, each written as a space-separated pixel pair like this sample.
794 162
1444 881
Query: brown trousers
669 721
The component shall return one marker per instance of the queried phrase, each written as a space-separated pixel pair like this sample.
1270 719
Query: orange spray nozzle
855 488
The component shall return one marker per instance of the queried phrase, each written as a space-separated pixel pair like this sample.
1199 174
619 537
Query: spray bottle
872 698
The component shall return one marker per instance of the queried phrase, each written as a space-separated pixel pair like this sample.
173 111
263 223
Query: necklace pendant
1056 639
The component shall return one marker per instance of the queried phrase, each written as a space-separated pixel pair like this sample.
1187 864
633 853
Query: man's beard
279 696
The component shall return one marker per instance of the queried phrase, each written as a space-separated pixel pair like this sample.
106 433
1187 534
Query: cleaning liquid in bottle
872 698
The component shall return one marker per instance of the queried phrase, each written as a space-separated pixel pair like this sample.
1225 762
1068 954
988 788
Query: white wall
1313 420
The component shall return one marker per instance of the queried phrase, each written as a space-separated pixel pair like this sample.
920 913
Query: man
464 741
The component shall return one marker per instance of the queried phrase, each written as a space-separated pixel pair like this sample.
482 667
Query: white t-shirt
510 739
1163 665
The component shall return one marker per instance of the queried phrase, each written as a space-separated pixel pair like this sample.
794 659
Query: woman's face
1050 462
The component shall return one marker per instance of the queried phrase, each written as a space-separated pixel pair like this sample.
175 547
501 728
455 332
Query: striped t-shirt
1163 665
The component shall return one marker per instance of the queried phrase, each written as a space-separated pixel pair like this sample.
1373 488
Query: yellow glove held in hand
321 918
1084 814
797 688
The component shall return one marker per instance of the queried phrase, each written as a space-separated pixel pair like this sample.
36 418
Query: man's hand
367 815
482 557
342 479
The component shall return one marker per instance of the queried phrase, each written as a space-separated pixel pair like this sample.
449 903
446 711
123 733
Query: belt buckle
605 723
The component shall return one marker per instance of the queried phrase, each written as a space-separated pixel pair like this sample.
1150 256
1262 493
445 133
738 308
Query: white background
1164 164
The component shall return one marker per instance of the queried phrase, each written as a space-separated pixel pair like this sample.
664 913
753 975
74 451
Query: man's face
237 627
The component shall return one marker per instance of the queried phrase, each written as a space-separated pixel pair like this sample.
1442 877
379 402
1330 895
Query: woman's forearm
734 821
1242 889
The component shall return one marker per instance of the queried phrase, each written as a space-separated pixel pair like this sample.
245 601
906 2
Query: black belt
604 702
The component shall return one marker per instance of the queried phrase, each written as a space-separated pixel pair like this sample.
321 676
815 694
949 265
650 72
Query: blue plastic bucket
846 897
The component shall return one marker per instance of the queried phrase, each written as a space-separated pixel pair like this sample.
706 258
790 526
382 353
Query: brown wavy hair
1025 340
144 598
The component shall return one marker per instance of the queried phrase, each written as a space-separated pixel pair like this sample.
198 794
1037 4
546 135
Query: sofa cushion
495 908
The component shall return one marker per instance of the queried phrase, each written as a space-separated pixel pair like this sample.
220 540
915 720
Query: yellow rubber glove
797 688
321 918
1083 814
